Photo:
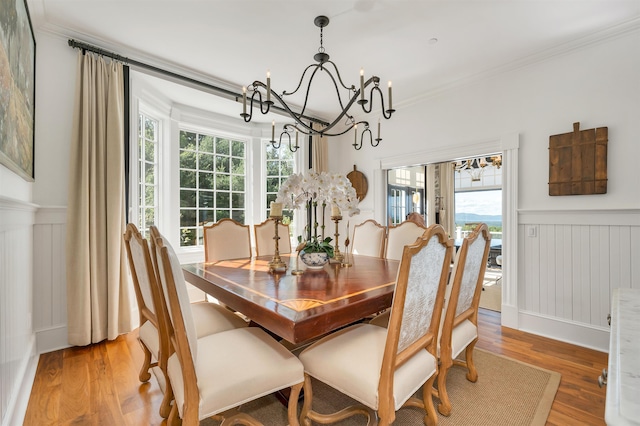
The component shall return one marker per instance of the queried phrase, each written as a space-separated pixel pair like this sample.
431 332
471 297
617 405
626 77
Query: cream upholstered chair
368 239
264 233
383 368
210 318
401 235
459 326
212 375
226 239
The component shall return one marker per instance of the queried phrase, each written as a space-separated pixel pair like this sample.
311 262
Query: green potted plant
315 251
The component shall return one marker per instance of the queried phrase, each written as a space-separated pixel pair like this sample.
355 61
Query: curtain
320 152
431 194
98 300
447 194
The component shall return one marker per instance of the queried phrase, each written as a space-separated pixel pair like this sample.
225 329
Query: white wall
596 85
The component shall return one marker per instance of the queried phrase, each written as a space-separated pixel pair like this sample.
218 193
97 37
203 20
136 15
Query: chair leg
472 374
431 418
292 412
444 407
306 405
165 405
174 417
145 374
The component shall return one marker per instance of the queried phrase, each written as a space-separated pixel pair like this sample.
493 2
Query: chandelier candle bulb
390 103
355 135
244 99
276 209
273 130
378 128
362 84
269 86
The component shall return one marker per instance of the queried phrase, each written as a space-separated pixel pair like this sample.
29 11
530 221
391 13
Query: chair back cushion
171 275
368 239
140 266
226 239
473 274
400 236
426 267
264 233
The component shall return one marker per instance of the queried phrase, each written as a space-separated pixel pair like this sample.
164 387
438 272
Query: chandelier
346 99
475 166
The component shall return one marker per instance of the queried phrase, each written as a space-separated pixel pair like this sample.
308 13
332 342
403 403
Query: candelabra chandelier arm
356 95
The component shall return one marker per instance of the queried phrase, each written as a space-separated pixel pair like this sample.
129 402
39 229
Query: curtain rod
236 96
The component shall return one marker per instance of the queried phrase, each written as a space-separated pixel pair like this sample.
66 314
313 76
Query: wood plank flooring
98 384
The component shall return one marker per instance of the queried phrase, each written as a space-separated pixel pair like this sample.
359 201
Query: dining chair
210 318
226 239
264 233
368 239
459 325
382 368
401 235
213 375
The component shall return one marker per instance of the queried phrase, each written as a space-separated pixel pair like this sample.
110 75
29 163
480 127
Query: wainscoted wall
569 263
17 340
50 291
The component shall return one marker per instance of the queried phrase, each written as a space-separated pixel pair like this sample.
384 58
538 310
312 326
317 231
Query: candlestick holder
346 262
276 264
337 256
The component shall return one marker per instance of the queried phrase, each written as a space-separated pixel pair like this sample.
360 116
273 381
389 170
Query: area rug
491 296
508 392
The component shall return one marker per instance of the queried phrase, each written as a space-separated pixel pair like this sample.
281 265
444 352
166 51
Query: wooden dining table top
298 307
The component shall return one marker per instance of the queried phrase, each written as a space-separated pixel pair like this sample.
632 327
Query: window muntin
212 182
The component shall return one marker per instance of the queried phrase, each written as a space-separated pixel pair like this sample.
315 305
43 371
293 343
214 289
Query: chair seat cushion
350 361
462 335
212 318
235 367
148 334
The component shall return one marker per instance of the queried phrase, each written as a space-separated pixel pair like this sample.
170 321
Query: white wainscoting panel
569 264
50 291
17 340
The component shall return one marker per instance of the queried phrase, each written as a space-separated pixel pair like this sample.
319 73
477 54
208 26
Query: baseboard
585 335
51 339
18 405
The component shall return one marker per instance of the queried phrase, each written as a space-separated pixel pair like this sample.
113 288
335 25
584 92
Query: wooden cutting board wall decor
359 182
578 162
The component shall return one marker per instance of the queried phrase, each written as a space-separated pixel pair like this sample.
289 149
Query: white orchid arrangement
318 189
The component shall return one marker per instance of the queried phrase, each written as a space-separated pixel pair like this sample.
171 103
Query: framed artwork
17 87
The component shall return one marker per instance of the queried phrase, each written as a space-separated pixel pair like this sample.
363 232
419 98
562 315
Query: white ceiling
234 42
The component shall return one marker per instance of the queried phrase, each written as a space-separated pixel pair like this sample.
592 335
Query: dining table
300 306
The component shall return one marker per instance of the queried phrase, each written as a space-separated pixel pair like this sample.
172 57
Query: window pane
237 149
222 182
222 200
149 195
238 183
188 160
206 143
222 164
206 181
273 184
188 236
222 214
149 173
150 128
149 151
237 165
205 162
187 218
206 199
207 216
238 215
187 179
187 140
237 201
222 146
187 198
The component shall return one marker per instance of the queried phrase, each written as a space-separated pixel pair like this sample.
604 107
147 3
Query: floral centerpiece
313 190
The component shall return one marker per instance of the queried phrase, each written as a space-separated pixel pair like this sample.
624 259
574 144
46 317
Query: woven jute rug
491 296
508 392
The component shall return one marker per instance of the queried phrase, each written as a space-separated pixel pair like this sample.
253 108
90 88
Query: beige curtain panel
98 300
320 149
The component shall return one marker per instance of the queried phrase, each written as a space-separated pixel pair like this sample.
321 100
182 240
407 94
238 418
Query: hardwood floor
99 385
